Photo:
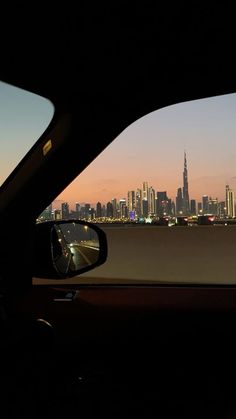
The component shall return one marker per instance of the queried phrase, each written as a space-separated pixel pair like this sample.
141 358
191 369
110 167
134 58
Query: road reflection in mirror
74 247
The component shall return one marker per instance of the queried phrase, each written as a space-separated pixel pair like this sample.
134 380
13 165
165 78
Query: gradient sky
151 149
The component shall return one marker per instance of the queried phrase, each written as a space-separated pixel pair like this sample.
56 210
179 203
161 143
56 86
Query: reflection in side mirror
67 248
74 247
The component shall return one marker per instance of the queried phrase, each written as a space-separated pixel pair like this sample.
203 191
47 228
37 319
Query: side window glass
164 192
24 116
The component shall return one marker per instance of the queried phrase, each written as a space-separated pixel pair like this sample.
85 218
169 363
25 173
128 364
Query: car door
105 350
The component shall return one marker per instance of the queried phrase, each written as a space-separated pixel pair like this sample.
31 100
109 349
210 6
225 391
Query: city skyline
145 202
182 200
152 149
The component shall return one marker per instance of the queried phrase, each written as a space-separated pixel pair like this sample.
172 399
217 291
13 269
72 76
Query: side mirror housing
66 248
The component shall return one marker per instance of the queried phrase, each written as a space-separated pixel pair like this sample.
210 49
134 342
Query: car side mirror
63 249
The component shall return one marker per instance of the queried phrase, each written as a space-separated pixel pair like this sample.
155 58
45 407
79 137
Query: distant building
114 206
179 202
123 208
99 210
145 208
131 201
57 214
87 211
193 209
185 188
65 211
205 204
109 212
163 206
77 210
151 201
199 208
213 206
47 214
230 210
139 202
222 209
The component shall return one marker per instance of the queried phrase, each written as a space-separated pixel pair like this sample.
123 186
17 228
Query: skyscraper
179 202
213 206
144 200
162 204
151 201
185 187
131 200
205 204
98 210
193 209
65 210
230 210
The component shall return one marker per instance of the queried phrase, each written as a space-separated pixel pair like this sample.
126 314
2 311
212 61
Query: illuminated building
179 202
123 208
151 201
77 210
65 210
131 201
98 209
199 208
162 204
185 188
230 210
109 210
213 206
193 209
205 204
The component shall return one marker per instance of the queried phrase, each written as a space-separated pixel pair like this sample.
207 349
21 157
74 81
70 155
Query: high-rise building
185 188
193 209
114 205
123 208
99 210
65 210
199 208
213 206
205 204
145 191
131 201
139 202
179 202
144 199
230 210
87 211
151 201
57 214
77 210
222 209
162 204
145 208
109 210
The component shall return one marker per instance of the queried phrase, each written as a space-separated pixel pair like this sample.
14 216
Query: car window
24 116
164 193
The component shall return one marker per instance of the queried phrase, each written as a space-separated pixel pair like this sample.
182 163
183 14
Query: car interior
107 350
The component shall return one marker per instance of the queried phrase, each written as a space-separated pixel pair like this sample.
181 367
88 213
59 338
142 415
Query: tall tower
185 187
230 211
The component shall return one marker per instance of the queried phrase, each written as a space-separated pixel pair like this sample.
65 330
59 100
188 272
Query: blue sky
24 117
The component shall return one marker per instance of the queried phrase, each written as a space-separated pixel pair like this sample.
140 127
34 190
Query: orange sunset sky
152 150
